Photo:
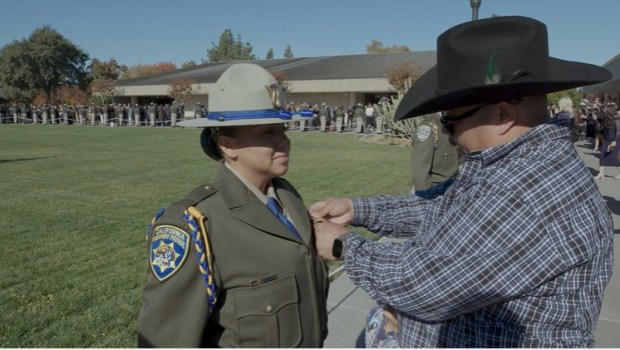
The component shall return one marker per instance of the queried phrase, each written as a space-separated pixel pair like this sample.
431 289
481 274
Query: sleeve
392 216
487 250
175 309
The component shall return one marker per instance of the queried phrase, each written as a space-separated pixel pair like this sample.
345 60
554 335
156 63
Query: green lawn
75 202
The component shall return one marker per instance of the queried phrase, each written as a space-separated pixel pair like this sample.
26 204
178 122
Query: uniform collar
258 193
246 206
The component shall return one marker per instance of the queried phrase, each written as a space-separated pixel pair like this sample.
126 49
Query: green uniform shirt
434 158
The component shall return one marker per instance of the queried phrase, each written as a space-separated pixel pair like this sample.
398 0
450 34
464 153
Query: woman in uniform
233 264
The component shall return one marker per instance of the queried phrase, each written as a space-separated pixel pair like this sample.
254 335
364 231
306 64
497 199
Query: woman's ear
227 147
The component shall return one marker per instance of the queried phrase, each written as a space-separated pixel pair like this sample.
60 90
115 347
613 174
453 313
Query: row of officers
119 114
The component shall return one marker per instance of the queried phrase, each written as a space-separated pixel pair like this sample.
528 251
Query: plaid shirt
516 253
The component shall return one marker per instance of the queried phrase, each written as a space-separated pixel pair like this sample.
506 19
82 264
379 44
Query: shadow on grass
2 161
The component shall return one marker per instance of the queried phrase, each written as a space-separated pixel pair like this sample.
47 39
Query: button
269 308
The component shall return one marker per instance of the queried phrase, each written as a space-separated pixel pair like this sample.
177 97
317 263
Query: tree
108 70
45 61
103 77
402 75
269 55
281 78
229 49
288 52
189 64
376 46
140 70
70 95
181 89
16 74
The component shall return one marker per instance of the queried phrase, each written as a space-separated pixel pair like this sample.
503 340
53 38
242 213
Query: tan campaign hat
245 94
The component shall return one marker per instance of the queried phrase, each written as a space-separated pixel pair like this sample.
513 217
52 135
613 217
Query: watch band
337 248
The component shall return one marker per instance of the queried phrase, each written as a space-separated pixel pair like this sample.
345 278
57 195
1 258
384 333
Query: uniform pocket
268 314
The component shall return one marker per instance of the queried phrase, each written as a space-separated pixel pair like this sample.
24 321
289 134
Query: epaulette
200 193
176 209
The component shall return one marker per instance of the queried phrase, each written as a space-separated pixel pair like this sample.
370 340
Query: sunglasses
448 122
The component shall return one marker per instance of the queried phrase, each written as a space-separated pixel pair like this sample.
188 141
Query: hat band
255 114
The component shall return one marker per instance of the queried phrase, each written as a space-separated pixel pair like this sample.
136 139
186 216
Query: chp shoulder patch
423 132
169 249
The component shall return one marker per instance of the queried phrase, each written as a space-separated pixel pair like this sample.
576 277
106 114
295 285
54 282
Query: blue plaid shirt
516 253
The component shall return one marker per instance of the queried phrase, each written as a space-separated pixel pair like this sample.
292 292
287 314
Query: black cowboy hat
493 59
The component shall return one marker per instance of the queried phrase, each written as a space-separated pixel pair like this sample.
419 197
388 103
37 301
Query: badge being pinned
169 248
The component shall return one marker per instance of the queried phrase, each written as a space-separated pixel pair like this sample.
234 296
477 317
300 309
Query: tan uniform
271 286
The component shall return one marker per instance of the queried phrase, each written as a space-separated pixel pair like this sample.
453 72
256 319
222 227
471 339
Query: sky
146 32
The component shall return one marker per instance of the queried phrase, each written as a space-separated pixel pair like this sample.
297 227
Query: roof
613 84
303 68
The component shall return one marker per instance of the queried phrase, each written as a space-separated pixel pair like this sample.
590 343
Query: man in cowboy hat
233 263
518 250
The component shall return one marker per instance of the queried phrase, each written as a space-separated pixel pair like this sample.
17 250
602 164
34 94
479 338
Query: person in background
610 145
434 158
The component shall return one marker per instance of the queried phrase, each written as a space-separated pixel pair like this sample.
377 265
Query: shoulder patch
423 132
169 249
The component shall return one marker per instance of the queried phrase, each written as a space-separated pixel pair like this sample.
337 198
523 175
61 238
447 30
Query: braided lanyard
149 228
203 251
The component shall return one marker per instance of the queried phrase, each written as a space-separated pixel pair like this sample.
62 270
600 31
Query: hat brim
208 123
425 97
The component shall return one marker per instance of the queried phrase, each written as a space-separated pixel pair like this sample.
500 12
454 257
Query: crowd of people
364 117
94 114
596 121
351 115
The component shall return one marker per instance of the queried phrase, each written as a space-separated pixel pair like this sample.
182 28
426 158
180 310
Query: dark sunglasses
448 122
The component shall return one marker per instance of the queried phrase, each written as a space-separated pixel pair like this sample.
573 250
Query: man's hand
325 234
335 210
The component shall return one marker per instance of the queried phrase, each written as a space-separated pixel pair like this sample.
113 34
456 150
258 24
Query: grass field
75 202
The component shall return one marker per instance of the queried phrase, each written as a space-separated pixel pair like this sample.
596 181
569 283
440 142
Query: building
335 80
611 88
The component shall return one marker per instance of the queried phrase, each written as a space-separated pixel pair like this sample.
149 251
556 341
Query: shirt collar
547 131
271 192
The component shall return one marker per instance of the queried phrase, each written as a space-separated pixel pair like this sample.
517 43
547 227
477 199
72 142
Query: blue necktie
274 207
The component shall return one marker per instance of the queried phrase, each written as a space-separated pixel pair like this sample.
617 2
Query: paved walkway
348 305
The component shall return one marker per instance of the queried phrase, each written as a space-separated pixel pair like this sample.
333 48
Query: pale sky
151 31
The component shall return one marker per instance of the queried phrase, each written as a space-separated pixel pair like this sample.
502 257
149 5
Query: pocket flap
266 299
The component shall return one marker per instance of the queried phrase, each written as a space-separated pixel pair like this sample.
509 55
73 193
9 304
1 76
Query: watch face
337 249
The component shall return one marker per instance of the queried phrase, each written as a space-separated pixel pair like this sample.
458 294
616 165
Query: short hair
565 104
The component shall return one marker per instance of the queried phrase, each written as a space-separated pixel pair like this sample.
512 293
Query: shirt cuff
361 208
351 241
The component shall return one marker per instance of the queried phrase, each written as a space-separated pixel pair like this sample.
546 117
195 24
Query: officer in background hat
517 252
233 264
